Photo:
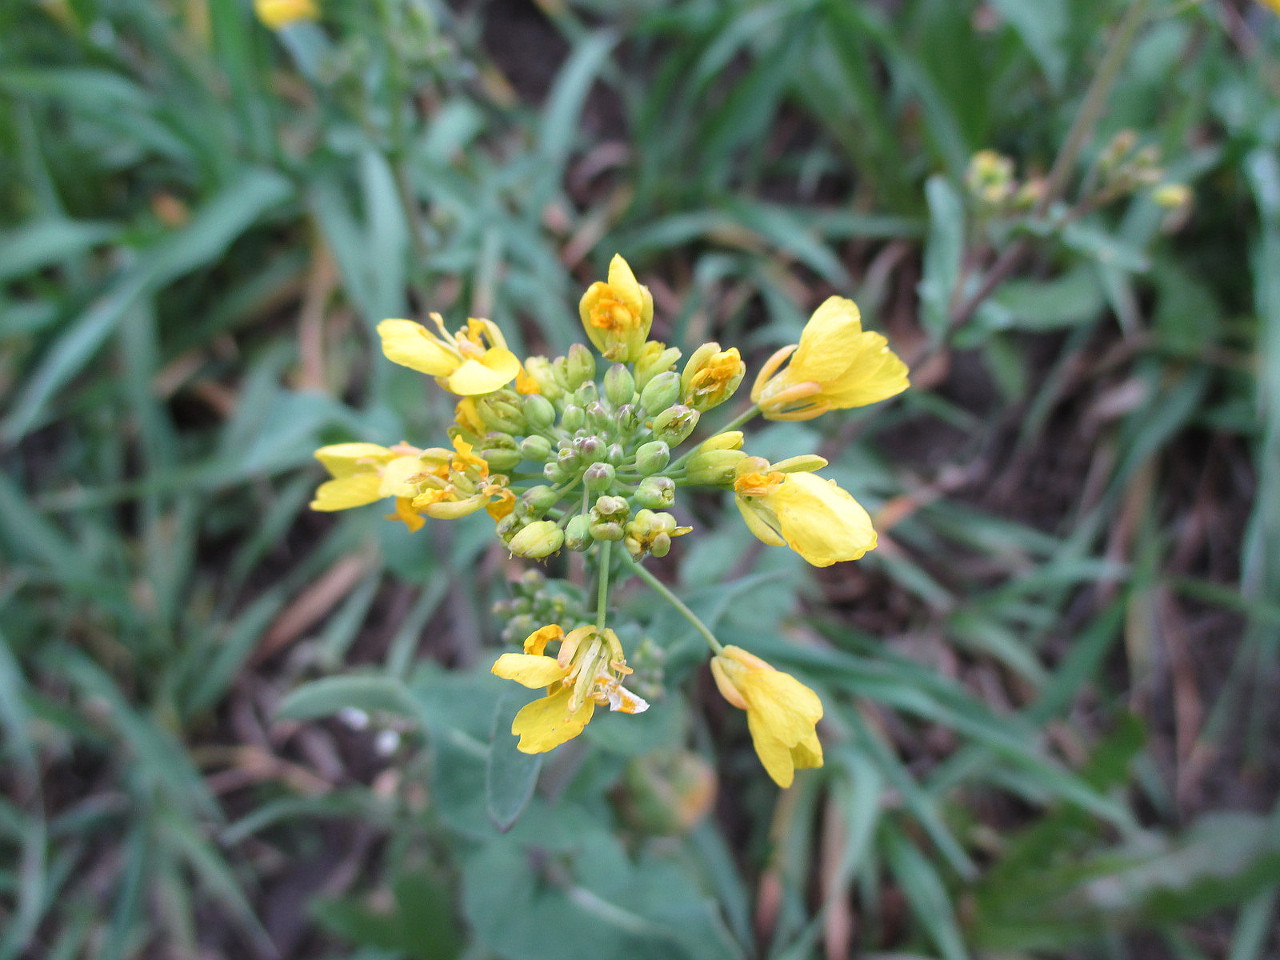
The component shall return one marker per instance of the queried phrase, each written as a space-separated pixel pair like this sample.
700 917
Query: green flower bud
587 394
615 454
628 419
542 372
674 424
573 418
540 499
661 545
502 411
554 473
538 540
589 449
569 460
598 417
656 492
652 457
610 508
805 463
598 476
619 385
711 376
536 448
713 467
509 525
501 459
580 366
651 532
577 533
539 412
654 359
609 530
662 391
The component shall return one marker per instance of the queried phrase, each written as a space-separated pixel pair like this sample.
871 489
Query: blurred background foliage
234 728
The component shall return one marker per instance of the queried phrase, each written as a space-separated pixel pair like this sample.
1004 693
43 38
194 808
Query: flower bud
674 424
554 473
569 460
587 394
573 418
654 359
711 376
502 411
539 412
538 500
652 457
660 545
608 530
536 448
598 417
589 449
509 525
580 366
656 492
805 463
619 385
542 372
615 454
610 508
661 392
617 315
713 467
501 459
577 533
627 418
538 540
598 476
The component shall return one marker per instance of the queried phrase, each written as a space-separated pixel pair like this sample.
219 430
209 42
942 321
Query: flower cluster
562 458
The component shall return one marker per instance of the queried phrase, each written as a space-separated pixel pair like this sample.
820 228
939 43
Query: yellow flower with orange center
836 365
782 713
363 473
617 315
587 670
787 506
471 362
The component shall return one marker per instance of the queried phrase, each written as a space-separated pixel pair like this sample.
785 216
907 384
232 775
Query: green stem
679 604
602 588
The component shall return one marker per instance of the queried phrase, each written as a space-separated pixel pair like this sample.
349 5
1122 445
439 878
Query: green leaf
509 775
942 255
370 693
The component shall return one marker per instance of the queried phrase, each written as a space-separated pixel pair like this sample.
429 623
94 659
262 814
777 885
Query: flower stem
602 588
679 604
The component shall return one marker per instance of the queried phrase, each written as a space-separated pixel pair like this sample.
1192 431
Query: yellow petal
784 705
395 476
826 341
346 492
874 373
774 755
454 509
495 370
344 459
528 669
548 722
537 641
820 521
412 345
624 283
407 515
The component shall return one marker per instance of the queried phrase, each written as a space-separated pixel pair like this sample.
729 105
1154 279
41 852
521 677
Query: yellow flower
471 362
782 713
836 365
364 473
456 484
711 376
280 13
617 315
587 670
812 516
1273 4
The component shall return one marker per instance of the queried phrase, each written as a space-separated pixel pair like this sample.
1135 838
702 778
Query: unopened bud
580 366
619 385
589 449
610 508
554 473
598 417
573 418
656 492
538 540
615 454
598 476
711 376
502 411
536 448
674 424
654 359
543 373
660 392
607 530
540 499
628 418
539 412
805 463
577 533
713 467
652 457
